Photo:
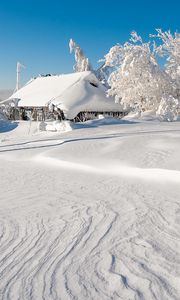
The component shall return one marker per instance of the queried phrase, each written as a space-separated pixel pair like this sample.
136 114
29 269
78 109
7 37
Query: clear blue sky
37 33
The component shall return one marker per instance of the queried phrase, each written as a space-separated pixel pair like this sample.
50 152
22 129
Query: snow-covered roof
71 92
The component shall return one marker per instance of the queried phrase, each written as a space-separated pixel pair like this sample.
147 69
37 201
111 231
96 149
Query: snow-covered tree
139 83
111 62
170 48
114 57
168 109
82 62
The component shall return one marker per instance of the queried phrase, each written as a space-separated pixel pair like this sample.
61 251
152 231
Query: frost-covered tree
82 62
138 83
114 57
168 109
170 48
111 62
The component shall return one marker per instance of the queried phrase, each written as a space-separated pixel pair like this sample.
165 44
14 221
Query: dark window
94 84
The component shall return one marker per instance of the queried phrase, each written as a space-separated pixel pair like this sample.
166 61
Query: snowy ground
93 213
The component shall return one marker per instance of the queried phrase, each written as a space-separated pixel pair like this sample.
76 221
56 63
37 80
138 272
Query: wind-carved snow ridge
157 175
91 214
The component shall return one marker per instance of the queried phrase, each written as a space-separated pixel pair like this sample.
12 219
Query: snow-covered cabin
71 94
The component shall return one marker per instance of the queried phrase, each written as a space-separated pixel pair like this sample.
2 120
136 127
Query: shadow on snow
8 126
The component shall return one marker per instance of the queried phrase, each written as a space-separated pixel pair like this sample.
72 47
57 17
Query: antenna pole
18 71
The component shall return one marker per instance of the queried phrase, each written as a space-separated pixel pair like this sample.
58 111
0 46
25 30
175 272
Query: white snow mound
62 126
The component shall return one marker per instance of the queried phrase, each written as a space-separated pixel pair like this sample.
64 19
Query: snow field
92 213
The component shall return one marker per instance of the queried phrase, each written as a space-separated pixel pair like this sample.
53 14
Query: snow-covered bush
2 116
5 110
9 107
3 120
168 109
